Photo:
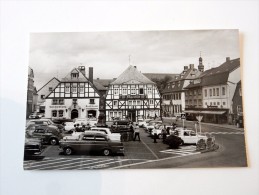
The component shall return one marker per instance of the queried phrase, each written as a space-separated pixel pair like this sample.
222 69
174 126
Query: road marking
182 151
150 161
104 165
150 150
226 133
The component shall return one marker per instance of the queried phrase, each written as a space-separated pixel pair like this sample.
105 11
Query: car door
39 133
193 137
186 137
86 144
101 142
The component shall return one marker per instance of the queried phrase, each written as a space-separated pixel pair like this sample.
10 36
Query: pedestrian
78 129
83 128
131 132
164 133
88 127
136 133
155 137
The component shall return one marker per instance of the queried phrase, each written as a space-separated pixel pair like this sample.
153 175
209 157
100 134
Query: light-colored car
190 137
151 125
47 121
107 131
158 130
69 126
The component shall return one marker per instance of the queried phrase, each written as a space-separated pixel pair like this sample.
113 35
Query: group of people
165 131
82 128
134 132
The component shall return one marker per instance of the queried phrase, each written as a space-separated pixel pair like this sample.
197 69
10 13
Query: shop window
54 113
55 102
60 113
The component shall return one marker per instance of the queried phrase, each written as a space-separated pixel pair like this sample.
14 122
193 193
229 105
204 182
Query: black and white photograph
134 100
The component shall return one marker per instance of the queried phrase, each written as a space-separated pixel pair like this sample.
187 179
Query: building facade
215 88
132 96
174 102
75 96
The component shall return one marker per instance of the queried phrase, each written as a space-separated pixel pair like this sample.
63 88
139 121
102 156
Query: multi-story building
237 103
214 92
174 92
132 95
75 96
44 91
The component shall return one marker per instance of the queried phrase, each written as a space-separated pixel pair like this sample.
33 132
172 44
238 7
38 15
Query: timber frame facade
132 96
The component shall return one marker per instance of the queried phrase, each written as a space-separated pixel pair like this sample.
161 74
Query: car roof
99 128
92 132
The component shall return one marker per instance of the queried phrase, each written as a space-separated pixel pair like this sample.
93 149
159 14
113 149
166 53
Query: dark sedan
91 142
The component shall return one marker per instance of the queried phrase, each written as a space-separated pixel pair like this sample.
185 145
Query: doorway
132 115
74 113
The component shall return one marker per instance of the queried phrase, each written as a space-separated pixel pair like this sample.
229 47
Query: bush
173 141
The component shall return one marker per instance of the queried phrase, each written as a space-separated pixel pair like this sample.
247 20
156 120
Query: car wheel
106 152
238 125
68 151
160 136
53 141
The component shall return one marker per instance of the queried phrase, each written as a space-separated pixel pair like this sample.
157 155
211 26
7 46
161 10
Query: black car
120 126
48 135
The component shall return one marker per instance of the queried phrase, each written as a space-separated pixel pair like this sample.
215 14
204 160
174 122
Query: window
55 102
179 96
149 90
81 89
130 103
210 92
173 85
74 101
61 101
50 89
194 92
218 103
54 113
138 102
239 108
213 91
134 103
133 91
199 91
217 91
141 91
99 138
60 113
88 138
115 103
224 103
124 91
151 102
42 96
67 89
206 103
214 103
74 89
205 92
74 75
116 91
223 91
91 101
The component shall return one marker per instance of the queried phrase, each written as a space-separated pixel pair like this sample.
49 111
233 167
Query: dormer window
74 75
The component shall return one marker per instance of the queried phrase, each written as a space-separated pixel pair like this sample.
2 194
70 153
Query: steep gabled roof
99 86
132 76
81 77
54 78
104 82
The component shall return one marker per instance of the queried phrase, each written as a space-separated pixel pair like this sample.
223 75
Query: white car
69 126
151 125
158 131
190 137
76 135
112 136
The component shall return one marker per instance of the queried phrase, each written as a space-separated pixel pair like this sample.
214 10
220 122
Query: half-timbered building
132 96
74 97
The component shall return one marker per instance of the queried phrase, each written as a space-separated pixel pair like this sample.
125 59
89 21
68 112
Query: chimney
227 59
185 67
91 74
82 69
135 66
191 66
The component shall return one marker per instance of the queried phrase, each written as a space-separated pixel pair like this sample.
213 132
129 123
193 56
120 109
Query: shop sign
57 106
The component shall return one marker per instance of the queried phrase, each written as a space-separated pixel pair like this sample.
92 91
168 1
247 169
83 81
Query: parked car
34 116
91 142
151 125
49 122
120 126
189 136
239 122
107 131
49 135
143 122
32 146
69 126
158 131
61 121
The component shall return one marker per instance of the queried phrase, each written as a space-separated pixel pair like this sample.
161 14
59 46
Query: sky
110 53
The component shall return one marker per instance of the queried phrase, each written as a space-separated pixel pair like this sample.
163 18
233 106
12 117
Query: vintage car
49 135
32 148
49 122
189 136
107 131
34 116
91 142
120 126
151 125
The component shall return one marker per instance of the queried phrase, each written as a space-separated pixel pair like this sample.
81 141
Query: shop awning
217 112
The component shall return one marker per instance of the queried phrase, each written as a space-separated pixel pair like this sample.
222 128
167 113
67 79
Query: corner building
132 96
74 97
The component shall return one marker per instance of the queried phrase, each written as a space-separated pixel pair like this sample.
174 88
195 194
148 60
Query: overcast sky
55 54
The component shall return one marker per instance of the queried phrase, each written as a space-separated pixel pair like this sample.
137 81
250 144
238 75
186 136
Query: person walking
164 133
131 133
155 135
136 133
